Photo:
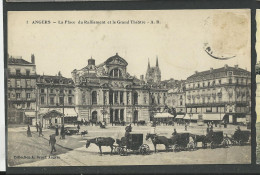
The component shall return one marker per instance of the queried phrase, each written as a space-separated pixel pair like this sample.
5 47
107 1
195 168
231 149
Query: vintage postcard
146 87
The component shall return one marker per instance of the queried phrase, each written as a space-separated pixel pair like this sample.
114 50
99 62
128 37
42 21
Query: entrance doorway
94 116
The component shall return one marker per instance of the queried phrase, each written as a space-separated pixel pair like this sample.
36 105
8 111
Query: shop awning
213 116
163 115
30 114
68 112
191 117
180 116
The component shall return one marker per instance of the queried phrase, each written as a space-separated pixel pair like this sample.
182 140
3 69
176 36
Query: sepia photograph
113 88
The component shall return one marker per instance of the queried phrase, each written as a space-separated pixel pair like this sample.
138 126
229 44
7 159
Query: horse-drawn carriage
241 137
134 142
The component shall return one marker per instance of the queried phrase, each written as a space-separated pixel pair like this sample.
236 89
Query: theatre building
222 94
21 83
107 92
55 99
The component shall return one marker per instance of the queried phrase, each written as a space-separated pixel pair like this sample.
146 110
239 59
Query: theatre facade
107 92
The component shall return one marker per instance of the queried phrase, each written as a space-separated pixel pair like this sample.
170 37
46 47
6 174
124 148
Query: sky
178 40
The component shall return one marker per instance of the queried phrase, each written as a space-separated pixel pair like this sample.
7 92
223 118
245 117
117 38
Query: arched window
135 98
116 73
94 97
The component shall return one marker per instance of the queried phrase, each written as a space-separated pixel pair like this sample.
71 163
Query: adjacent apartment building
21 89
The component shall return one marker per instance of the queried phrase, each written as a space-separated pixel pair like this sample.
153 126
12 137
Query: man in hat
52 142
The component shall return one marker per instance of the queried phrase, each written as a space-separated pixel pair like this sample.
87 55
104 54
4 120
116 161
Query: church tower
153 74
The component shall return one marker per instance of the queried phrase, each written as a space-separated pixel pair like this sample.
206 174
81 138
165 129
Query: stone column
107 97
124 97
113 97
130 98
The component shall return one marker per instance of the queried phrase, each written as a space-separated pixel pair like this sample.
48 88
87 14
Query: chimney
211 69
142 77
236 66
226 66
32 59
59 74
196 72
91 61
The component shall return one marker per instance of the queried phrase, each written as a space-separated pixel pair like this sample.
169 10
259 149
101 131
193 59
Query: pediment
116 60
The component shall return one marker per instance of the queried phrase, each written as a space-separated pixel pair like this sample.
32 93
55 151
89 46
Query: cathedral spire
157 64
148 63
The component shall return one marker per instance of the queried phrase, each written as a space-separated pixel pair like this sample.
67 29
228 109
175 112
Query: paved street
35 151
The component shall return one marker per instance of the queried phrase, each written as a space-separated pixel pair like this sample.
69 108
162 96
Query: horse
199 138
101 141
83 133
159 140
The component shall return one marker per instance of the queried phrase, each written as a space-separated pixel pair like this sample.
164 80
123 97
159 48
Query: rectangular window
8 95
51 91
70 92
9 83
18 83
52 100
61 100
121 97
28 95
28 83
42 100
208 84
61 91
27 72
42 90
18 72
219 81
28 104
70 100
18 95
230 81
83 98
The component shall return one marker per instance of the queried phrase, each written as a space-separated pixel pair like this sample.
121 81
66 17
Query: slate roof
55 79
215 72
18 61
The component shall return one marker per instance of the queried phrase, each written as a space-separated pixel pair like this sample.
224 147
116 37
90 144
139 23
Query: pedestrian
78 127
37 126
207 131
29 134
52 142
174 132
40 131
57 130
62 132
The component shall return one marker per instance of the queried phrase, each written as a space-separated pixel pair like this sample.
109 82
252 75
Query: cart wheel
122 151
212 145
144 149
117 150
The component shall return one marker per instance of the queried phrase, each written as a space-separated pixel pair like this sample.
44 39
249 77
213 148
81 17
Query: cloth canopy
30 114
163 115
213 116
68 112
180 116
192 117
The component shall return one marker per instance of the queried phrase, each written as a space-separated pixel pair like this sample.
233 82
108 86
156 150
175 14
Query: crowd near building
106 92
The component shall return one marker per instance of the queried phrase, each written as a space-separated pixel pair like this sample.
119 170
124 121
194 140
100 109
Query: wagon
180 141
135 143
241 137
70 130
215 139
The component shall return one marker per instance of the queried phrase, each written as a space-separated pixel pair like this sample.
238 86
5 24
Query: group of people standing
62 131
